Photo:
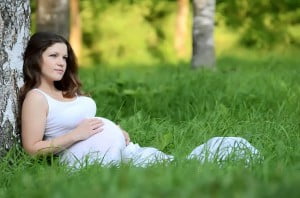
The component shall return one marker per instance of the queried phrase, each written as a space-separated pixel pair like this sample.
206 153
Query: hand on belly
110 138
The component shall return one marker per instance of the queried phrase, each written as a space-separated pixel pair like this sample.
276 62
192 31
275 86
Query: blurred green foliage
142 31
127 30
262 23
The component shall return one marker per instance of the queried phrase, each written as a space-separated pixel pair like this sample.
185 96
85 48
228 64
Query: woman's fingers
96 124
127 138
126 135
98 127
95 121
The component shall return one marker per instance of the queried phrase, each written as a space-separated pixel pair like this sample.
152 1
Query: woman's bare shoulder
35 104
35 97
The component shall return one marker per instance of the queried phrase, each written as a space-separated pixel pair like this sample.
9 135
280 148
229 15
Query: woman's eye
53 55
65 57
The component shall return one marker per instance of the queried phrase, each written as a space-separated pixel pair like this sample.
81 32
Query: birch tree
53 16
203 33
14 32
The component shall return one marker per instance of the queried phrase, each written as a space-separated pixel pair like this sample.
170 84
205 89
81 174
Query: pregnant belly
105 146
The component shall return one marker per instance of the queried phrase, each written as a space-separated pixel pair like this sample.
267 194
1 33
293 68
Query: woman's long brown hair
38 43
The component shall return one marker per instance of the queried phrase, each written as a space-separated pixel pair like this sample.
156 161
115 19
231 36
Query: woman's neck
50 88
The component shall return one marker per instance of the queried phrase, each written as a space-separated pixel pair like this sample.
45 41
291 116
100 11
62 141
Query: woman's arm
34 116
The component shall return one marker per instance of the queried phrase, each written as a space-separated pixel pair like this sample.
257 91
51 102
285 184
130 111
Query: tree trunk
203 37
14 33
181 27
75 29
53 16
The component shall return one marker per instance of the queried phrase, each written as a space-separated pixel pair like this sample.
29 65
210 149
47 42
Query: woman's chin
57 79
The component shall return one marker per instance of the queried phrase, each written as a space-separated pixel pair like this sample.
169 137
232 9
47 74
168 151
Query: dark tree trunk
53 16
203 33
14 33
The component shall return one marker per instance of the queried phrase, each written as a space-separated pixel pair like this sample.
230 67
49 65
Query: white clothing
222 148
64 116
108 147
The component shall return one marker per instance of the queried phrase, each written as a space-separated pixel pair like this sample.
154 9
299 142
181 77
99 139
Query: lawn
174 108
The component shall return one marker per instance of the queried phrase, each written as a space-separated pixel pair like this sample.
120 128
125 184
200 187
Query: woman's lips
59 71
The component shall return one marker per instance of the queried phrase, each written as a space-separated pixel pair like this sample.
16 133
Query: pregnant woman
57 118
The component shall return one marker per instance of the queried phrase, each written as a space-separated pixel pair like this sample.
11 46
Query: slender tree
75 28
203 33
53 16
14 32
181 27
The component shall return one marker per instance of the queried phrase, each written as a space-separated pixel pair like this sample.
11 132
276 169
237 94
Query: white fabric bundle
144 156
222 148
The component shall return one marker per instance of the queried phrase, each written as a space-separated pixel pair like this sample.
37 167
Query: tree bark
14 33
75 29
53 16
181 27
203 33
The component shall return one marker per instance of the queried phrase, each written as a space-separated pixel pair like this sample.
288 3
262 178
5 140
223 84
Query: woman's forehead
58 47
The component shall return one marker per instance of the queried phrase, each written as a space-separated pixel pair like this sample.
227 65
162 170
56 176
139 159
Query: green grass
175 109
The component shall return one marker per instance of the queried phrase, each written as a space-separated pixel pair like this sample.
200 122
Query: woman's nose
61 61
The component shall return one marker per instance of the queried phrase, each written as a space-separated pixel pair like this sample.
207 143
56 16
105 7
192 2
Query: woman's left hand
126 135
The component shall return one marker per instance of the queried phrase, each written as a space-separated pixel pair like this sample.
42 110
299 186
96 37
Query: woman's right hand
87 128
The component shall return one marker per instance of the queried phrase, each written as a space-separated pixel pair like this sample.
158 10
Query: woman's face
54 62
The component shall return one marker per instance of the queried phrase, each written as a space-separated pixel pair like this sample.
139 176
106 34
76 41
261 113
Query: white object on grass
144 156
222 148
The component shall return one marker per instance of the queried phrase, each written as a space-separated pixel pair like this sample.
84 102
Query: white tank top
64 116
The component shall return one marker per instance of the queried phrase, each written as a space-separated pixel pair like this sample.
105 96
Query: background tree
203 33
181 27
53 16
142 31
14 32
75 28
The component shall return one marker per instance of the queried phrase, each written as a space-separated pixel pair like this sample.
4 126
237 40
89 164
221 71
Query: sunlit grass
175 109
